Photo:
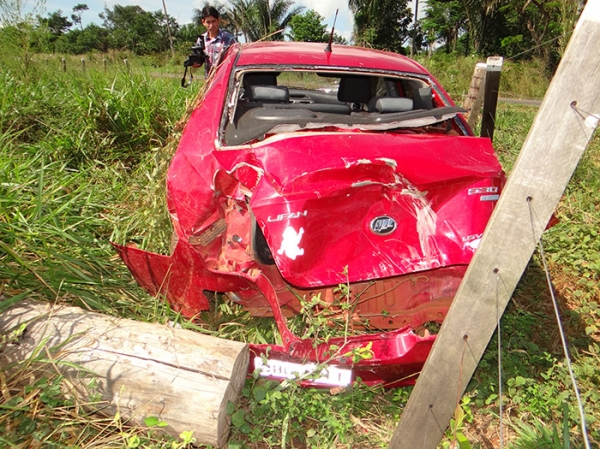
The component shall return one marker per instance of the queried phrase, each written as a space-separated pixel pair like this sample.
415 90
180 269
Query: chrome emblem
383 225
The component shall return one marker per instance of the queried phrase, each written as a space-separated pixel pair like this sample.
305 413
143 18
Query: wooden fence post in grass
64 64
490 98
141 370
474 98
556 141
83 64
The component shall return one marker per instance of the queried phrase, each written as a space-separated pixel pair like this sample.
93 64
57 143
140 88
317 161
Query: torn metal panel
281 193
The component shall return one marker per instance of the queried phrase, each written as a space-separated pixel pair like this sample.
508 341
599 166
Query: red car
302 170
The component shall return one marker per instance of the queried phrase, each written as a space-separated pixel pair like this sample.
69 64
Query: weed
83 159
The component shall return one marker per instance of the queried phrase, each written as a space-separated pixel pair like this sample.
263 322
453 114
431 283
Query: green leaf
520 381
187 437
151 421
230 408
463 442
133 441
238 419
259 393
26 426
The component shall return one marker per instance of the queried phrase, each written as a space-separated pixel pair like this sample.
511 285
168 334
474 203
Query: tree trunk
184 378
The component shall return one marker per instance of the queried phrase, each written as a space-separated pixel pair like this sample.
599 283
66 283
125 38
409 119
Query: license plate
328 375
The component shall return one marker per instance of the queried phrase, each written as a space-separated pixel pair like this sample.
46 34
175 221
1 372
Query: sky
182 10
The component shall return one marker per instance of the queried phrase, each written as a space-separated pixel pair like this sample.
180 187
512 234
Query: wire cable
561 332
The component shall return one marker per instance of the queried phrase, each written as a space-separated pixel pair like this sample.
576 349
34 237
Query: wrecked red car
345 175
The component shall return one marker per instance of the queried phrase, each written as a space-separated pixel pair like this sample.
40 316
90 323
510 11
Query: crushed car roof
314 54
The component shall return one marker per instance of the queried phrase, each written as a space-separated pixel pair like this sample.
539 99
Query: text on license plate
329 375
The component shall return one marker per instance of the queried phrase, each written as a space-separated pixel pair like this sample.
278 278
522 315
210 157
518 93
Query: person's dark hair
209 11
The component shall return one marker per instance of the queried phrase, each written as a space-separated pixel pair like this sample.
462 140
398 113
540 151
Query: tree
17 25
513 28
308 27
77 12
56 23
444 22
381 24
77 42
187 34
135 29
242 18
49 30
262 19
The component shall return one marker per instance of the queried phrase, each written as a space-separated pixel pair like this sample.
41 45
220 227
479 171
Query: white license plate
329 375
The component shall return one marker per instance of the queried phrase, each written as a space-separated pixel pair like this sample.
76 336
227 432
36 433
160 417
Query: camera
197 57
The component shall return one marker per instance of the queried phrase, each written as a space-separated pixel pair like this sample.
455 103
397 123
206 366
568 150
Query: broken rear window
266 102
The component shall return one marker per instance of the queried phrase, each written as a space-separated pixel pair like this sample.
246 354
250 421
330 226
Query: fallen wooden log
140 370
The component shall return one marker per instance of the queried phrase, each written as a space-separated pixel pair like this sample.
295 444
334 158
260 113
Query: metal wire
427 426
564 35
561 331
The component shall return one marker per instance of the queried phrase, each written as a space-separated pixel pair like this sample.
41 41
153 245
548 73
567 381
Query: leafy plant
537 435
82 162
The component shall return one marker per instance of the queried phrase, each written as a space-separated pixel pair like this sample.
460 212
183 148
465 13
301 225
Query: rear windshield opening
268 102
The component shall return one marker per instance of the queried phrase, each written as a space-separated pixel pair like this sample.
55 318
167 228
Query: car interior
268 100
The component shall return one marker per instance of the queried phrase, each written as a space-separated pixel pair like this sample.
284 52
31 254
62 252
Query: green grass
83 155
524 80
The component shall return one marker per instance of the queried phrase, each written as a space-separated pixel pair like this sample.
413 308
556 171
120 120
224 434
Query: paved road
519 101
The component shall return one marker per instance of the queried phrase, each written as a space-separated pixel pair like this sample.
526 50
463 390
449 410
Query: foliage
274 414
444 22
82 163
56 23
41 409
381 24
540 435
140 31
512 28
78 10
262 19
308 27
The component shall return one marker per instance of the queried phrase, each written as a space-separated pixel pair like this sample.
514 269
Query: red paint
397 213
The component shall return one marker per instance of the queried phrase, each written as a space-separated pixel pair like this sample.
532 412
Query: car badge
383 225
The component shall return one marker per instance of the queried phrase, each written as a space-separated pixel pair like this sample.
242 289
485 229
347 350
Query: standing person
216 40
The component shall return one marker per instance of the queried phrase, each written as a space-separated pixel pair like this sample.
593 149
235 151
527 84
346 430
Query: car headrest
354 89
260 78
423 98
268 94
386 105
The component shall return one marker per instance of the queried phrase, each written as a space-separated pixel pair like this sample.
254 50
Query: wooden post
64 64
558 137
490 100
184 378
168 29
474 98
83 64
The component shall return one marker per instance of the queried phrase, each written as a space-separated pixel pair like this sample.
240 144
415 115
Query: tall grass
83 156
519 79
75 148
